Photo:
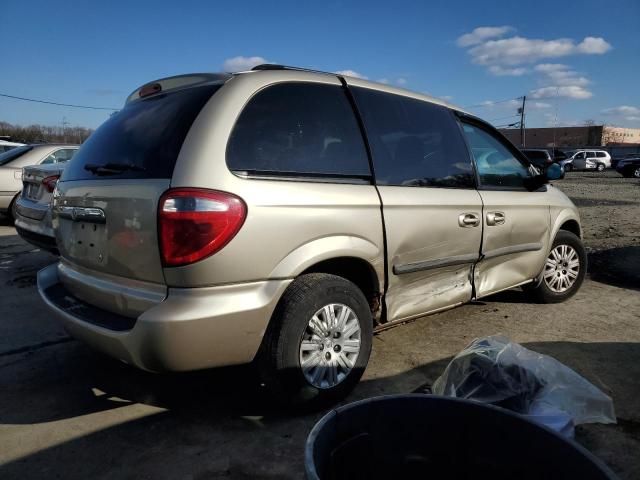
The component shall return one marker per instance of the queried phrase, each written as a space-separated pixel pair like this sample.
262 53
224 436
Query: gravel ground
67 412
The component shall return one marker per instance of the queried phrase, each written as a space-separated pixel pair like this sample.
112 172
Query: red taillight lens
50 182
194 223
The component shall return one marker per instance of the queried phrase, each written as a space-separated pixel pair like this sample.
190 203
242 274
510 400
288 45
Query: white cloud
550 67
401 81
446 98
622 110
568 91
520 50
481 34
538 105
511 72
240 63
351 73
383 80
632 118
593 46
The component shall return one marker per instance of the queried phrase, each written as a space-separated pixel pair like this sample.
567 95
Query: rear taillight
194 223
50 182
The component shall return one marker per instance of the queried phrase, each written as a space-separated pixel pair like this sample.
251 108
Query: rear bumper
37 232
193 328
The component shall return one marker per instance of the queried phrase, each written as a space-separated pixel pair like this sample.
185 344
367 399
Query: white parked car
587 160
11 164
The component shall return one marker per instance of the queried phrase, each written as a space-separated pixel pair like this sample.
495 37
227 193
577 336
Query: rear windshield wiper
112 168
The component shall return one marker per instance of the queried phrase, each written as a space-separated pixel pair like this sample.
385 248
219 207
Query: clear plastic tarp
497 371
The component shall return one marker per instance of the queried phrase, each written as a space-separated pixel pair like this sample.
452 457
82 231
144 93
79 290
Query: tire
545 291
281 357
600 167
568 167
635 173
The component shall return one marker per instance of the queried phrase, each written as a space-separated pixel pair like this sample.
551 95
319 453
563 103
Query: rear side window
414 143
601 154
146 134
302 129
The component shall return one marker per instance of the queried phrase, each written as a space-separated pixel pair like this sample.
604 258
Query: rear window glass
301 129
535 154
146 134
14 153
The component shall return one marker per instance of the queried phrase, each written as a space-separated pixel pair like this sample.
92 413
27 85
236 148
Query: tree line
44 133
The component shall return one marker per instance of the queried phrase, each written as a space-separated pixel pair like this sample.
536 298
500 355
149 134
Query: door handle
495 218
468 220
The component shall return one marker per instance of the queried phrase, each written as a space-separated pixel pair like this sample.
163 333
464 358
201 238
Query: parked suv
280 216
587 160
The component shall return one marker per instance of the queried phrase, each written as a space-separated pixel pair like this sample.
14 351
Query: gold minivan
281 216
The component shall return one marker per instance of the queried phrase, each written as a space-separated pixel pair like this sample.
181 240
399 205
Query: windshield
145 136
14 153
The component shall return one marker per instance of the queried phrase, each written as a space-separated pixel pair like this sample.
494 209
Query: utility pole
521 112
64 128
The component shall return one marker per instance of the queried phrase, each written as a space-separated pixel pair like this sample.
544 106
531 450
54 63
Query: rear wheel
600 167
564 270
636 172
318 343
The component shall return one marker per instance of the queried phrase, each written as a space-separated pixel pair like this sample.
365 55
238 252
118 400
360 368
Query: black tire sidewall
289 324
543 293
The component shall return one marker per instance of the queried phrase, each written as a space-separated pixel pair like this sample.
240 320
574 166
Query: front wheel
319 341
568 167
564 270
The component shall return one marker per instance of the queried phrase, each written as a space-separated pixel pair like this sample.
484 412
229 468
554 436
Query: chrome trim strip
431 264
523 247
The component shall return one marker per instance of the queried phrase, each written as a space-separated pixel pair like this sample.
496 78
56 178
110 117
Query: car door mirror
554 172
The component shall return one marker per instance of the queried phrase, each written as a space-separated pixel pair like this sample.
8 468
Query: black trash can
432 437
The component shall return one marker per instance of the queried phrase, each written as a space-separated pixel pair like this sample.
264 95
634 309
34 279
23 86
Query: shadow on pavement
619 267
218 424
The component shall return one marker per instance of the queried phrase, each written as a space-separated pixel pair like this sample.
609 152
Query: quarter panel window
496 164
413 142
298 128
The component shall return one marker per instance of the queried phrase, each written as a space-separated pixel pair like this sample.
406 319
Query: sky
574 61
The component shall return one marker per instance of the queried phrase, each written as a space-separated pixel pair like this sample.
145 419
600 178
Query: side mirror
554 172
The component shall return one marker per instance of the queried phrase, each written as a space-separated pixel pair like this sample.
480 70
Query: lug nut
336 348
327 356
336 334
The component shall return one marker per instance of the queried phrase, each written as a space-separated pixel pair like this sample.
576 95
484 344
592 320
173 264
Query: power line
502 118
488 104
56 103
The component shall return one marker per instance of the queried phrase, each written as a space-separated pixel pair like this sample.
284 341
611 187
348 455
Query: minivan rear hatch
105 206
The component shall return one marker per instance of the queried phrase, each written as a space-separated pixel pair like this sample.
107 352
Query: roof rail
275 66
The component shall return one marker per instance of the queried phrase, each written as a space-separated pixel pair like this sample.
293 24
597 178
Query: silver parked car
597 160
11 164
33 208
280 216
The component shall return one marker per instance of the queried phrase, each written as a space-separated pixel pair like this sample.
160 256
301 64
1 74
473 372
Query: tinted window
591 154
496 163
298 128
414 143
535 154
14 153
580 155
601 154
146 133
